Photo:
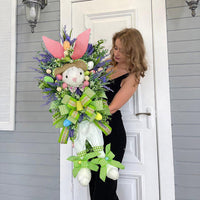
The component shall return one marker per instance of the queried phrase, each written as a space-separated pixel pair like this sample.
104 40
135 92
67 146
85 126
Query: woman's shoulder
130 80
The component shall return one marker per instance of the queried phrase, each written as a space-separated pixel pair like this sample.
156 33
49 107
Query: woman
128 65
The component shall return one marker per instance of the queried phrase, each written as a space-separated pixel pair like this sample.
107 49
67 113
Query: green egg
48 79
67 59
86 73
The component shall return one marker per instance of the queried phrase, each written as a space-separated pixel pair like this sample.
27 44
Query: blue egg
106 158
66 123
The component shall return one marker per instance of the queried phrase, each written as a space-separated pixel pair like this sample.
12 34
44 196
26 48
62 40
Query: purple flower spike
61 37
47 89
45 58
67 38
71 132
99 65
104 79
53 84
81 118
72 41
108 88
37 70
90 49
78 91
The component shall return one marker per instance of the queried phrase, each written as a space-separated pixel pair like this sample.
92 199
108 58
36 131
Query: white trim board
8 64
163 114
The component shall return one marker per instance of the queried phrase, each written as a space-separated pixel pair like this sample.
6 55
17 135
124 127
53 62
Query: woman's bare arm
128 87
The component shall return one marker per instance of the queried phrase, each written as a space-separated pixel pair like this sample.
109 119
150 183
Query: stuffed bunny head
72 73
73 76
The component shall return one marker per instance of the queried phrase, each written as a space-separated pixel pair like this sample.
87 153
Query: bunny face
73 76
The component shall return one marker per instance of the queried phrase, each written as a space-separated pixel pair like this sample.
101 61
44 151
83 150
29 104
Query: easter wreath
73 81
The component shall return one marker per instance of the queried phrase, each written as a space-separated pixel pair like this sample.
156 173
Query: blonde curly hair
134 50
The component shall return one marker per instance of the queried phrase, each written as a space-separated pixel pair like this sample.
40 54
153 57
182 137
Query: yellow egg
79 162
98 116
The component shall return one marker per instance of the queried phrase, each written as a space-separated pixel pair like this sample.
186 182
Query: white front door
139 180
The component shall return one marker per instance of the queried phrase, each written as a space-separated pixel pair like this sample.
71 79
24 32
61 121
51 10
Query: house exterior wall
29 156
184 70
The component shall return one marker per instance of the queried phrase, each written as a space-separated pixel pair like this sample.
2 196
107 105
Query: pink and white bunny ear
81 45
54 47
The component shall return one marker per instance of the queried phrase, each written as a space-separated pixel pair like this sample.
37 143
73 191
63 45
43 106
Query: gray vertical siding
29 156
184 68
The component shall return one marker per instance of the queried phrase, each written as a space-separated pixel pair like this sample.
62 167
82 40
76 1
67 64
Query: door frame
162 104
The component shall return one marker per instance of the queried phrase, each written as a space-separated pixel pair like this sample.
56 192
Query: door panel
139 180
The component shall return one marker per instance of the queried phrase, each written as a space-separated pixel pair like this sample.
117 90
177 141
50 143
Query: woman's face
119 52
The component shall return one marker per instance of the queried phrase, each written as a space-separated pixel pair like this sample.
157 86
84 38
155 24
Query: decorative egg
87 78
100 69
66 45
66 59
66 123
59 89
66 53
86 73
64 85
98 116
106 158
48 79
59 77
48 71
86 83
90 65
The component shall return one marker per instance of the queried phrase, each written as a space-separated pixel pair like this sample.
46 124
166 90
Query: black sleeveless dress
100 190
